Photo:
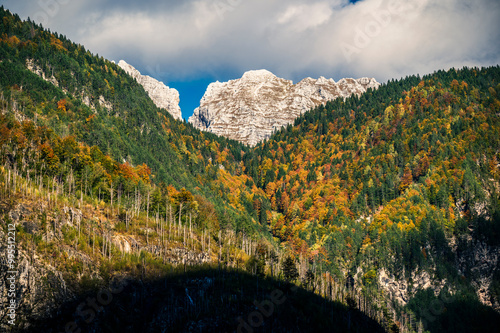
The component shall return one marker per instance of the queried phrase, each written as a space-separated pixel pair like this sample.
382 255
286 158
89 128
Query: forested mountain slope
401 184
438 136
58 84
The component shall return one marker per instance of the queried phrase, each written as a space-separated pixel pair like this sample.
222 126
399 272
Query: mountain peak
163 96
258 75
250 109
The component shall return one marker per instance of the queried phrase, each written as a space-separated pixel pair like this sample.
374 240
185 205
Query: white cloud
302 17
293 39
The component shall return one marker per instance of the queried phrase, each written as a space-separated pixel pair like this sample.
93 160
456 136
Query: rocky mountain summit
250 109
163 96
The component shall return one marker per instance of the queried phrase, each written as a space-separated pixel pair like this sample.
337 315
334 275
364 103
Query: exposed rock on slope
250 109
34 68
163 96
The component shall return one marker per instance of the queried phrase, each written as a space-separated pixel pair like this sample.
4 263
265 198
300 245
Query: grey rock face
250 109
163 96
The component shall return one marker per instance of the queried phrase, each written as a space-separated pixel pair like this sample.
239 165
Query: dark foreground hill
203 300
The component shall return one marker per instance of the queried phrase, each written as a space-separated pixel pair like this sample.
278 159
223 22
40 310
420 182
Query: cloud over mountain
294 39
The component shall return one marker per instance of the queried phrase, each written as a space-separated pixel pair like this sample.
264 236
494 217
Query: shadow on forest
204 300
458 313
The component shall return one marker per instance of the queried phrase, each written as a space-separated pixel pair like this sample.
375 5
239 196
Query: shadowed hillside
204 300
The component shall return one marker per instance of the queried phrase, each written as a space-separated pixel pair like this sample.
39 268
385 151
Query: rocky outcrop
163 96
401 290
35 286
34 68
480 262
250 109
179 255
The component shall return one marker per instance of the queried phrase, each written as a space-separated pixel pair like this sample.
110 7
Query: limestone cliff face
163 96
250 109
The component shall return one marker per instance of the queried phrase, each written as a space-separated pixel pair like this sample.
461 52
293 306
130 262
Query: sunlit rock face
251 108
163 96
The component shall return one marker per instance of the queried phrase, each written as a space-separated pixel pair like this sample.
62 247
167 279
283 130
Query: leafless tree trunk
190 236
180 214
111 192
147 209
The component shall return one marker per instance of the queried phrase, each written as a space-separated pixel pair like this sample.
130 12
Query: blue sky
189 43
